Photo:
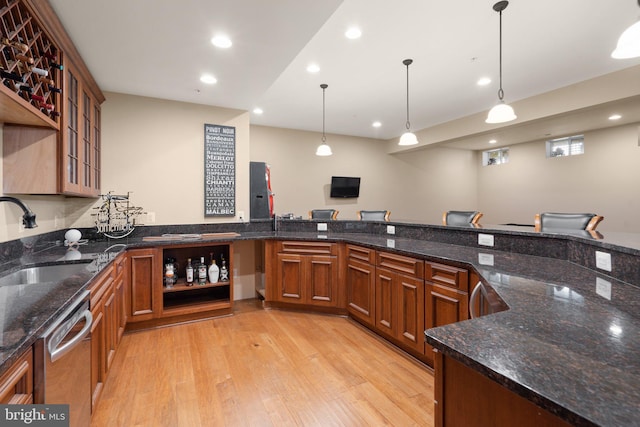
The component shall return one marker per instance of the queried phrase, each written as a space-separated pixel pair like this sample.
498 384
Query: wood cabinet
145 284
16 384
306 273
447 297
464 397
102 330
120 291
399 296
360 283
62 154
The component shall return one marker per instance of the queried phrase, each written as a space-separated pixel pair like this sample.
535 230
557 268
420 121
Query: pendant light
501 112
323 149
408 138
628 43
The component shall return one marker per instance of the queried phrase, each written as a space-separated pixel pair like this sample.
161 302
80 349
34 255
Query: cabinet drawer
100 285
401 264
361 254
119 265
16 385
308 247
446 275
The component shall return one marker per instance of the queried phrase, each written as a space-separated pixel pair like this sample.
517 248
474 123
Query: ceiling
159 48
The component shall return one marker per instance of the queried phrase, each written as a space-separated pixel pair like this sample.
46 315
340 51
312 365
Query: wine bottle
54 114
202 272
54 89
7 75
39 71
48 55
23 86
46 106
24 58
17 45
45 80
189 273
37 98
56 65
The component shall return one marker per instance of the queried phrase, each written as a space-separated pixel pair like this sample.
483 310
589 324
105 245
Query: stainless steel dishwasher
64 352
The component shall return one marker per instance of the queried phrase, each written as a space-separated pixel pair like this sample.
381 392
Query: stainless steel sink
43 273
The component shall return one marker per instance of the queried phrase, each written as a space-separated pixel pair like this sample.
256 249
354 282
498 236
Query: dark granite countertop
570 340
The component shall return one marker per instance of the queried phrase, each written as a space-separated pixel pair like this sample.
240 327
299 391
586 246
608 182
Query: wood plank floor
264 368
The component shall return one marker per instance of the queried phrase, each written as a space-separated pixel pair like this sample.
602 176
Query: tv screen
345 186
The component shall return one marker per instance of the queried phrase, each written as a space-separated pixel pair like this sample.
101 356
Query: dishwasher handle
475 294
57 352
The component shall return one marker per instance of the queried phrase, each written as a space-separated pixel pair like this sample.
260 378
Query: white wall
416 186
604 180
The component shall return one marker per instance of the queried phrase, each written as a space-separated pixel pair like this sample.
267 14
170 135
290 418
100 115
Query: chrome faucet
28 218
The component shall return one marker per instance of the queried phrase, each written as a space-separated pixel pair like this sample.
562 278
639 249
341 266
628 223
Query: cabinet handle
472 301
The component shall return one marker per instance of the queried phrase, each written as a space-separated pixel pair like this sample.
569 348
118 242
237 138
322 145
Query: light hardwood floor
264 368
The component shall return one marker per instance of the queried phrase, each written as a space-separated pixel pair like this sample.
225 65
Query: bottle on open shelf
224 272
214 271
202 272
189 273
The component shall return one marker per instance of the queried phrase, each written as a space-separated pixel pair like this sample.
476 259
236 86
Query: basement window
495 157
568 146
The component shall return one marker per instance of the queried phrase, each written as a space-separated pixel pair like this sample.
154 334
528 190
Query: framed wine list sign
219 170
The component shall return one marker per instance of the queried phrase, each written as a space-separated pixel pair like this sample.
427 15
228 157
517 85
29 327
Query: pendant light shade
628 43
323 149
408 138
502 112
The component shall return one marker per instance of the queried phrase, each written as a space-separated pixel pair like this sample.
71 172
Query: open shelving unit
182 299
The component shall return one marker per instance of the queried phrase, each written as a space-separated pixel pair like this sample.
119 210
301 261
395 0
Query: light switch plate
391 243
485 239
322 226
603 260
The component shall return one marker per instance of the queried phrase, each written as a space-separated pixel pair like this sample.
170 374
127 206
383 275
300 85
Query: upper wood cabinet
62 155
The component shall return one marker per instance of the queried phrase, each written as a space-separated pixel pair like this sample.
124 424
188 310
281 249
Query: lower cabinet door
385 302
290 277
361 282
322 280
410 309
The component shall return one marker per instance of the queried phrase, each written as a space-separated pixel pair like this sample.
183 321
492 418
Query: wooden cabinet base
340 311
464 397
176 320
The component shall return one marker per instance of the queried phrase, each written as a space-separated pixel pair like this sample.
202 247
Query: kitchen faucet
28 218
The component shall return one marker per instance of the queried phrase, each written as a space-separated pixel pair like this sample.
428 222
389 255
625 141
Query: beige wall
415 186
604 180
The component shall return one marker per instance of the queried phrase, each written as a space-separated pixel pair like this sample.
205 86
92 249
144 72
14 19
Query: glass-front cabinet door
80 140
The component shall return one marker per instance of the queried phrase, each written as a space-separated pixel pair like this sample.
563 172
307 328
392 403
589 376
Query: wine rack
30 69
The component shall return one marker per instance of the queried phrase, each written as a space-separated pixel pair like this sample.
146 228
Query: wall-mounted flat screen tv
345 186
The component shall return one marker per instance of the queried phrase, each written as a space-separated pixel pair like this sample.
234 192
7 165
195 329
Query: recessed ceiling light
258 110
492 141
483 81
353 33
208 79
615 117
376 124
313 68
221 41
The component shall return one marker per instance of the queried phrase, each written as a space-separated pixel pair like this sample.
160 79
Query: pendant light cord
323 86
500 91
408 62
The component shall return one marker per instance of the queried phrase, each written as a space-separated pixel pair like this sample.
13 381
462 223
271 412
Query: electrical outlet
151 217
485 259
603 260
391 229
485 239
391 243
603 288
322 226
